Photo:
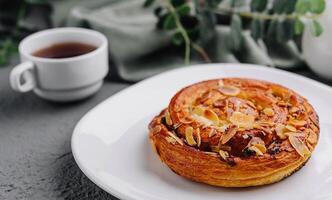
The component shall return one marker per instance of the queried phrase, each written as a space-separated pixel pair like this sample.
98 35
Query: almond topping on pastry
294 109
176 138
280 130
231 131
212 132
225 147
298 145
205 116
229 90
242 120
312 137
256 150
170 140
290 128
198 136
255 140
268 111
189 136
261 147
212 116
168 118
295 122
221 128
223 154
198 110
185 120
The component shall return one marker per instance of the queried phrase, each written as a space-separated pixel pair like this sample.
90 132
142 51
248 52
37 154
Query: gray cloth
140 50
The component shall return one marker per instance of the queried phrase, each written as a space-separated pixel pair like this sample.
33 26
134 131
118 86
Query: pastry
235 132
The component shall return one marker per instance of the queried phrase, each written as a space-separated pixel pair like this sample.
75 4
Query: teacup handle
22 78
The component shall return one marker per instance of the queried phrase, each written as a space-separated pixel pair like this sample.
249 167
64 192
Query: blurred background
147 37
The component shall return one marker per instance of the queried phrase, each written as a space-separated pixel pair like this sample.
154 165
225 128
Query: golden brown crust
235 132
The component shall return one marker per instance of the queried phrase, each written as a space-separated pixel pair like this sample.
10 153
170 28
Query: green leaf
257 27
285 30
302 6
317 6
284 6
7 48
148 3
177 38
258 5
169 22
183 10
316 28
236 32
299 27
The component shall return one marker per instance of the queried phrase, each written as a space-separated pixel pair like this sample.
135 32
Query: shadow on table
73 184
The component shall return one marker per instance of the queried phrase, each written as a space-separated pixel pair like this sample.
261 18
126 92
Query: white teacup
61 79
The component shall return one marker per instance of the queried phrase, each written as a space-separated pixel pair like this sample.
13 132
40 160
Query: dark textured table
35 156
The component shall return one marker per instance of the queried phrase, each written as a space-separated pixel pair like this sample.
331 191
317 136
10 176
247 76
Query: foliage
192 21
12 26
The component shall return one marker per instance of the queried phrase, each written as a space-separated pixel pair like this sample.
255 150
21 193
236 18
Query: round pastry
235 132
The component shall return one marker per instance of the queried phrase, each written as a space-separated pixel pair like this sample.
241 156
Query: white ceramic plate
110 143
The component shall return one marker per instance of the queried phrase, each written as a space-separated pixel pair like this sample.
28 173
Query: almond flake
294 109
212 132
298 145
254 141
212 116
231 131
297 122
189 136
290 128
280 130
198 136
222 128
170 140
168 118
223 154
229 90
312 137
268 111
256 150
245 136
242 120
225 147
202 120
210 153
198 110
261 147
175 137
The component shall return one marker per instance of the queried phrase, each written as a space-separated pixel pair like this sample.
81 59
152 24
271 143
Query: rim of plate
120 193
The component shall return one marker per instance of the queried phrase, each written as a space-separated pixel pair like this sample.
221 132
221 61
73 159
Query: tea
65 50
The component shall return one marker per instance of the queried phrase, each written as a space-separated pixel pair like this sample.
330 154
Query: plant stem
264 16
181 30
201 51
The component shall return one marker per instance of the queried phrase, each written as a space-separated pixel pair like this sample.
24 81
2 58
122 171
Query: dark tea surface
65 50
